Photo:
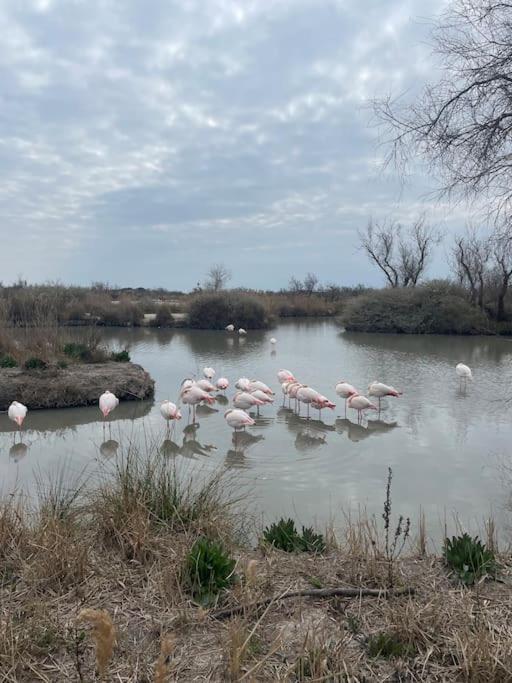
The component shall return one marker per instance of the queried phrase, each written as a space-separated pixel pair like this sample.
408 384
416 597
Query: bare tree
295 285
471 254
401 255
217 278
462 124
310 283
502 252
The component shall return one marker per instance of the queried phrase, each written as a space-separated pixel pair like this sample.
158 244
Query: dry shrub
484 654
104 635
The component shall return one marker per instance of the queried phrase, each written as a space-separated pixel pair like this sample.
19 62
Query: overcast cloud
142 141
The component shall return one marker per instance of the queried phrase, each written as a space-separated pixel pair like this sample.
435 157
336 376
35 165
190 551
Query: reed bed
93 588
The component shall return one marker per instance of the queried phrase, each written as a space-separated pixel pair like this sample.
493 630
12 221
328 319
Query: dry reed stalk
103 633
164 662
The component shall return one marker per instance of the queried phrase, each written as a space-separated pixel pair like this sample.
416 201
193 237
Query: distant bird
463 372
169 411
205 385
242 332
273 341
108 402
360 403
242 383
244 400
345 390
209 373
230 328
17 413
238 419
256 384
285 376
222 384
195 395
379 390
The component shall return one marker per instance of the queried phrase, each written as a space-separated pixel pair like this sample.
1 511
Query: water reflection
18 451
306 441
109 449
357 432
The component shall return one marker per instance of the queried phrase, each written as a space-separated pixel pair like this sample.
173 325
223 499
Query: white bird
273 341
360 403
205 385
17 413
285 376
244 400
222 384
242 332
379 390
108 402
230 328
238 419
243 383
169 411
463 372
209 373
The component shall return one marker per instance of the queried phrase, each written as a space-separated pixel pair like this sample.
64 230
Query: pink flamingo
285 376
255 385
17 413
205 385
238 419
245 400
195 395
379 390
169 412
222 384
360 403
345 391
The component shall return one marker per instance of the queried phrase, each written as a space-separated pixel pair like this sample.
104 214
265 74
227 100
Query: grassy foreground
112 578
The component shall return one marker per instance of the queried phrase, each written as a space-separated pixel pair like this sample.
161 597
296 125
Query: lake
448 447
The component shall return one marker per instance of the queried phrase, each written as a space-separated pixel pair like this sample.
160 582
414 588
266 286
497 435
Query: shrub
284 536
120 356
388 645
215 311
469 558
8 361
163 318
34 363
435 308
76 351
208 570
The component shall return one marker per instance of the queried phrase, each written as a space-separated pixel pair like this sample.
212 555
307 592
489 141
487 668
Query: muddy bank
76 385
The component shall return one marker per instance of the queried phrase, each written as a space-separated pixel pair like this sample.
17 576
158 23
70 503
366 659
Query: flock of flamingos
252 394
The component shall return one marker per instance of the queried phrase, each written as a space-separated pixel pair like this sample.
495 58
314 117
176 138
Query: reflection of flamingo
305 441
238 419
379 390
109 448
17 413
18 451
360 403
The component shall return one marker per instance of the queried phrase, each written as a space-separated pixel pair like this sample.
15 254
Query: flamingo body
345 390
169 411
205 385
209 373
17 412
108 402
285 376
242 332
379 390
463 371
222 384
244 400
243 383
237 419
230 328
261 386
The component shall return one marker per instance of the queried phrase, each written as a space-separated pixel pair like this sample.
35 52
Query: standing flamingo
195 395
256 384
169 412
230 328
107 403
17 413
273 341
222 384
262 396
244 400
242 383
209 373
345 391
379 390
238 419
205 385
463 372
307 395
360 403
285 376
242 332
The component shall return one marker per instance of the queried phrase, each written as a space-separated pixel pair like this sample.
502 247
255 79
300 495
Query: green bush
120 356
8 361
208 570
76 351
284 536
215 311
434 308
34 363
388 645
469 558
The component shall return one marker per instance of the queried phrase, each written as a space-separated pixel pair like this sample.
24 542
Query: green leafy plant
35 363
284 536
388 645
469 558
120 356
76 351
8 361
208 570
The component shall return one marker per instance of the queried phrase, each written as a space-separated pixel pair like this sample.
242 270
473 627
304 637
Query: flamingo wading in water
17 413
345 391
194 395
238 419
463 373
360 403
379 390
169 412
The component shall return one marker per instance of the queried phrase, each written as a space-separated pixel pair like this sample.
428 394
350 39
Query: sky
141 142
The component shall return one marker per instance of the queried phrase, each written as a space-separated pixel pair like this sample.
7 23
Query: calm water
448 447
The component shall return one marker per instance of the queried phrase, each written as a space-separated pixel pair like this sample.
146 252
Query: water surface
448 445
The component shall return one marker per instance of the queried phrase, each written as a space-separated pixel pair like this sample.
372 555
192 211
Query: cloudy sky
142 141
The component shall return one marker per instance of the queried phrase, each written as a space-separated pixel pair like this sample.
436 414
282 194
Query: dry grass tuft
164 663
103 633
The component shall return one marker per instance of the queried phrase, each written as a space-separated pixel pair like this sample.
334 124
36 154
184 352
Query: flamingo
322 402
205 385
238 419
186 384
463 372
307 395
360 403
243 383
108 402
195 395
242 332
230 328
379 390
222 384
209 373
244 400
169 411
285 376
256 384
292 390
262 396
345 390
17 413
273 341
